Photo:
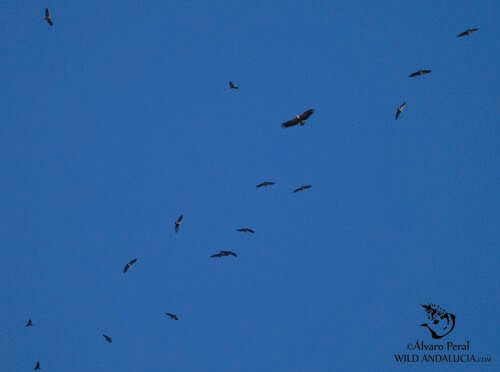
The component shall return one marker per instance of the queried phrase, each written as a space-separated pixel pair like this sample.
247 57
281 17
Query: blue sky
119 118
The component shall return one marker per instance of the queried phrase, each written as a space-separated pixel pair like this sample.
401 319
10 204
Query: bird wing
261 184
398 112
474 29
306 114
180 218
462 34
297 190
251 231
216 255
47 14
290 123
233 254
414 74
240 230
307 187
271 183
426 71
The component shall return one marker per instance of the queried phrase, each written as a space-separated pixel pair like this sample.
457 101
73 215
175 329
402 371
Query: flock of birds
299 119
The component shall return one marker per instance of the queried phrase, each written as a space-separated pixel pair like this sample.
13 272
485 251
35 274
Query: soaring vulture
302 188
178 223
298 119
48 18
37 366
246 229
468 32
172 316
129 265
224 253
420 73
107 338
29 324
265 184
233 85
400 110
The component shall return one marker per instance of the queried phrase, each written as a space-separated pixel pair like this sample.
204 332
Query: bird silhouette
233 85
298 119
37 366
48 18
302 188
178 223
467 32
172 316
400 110
265 184
245 230
29 324
107 338
420 73
224 254
129 265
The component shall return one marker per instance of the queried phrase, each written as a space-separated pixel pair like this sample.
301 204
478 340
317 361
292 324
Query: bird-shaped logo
441 322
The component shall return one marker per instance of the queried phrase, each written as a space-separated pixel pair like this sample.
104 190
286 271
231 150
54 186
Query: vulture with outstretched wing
224 253
37 366
129 265
400 110
172 316
178 223
302 188
467 32
107 338
420 73
29 324
48 18
246 229
265 184
233 85
298 119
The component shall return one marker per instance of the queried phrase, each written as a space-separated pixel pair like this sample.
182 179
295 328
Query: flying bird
246 229
420 73
108 338
37 366
265 184
400 110
302 188
468 32
29 324
172 316
224 253
298 119
233 85
129 265
178 223
48 18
